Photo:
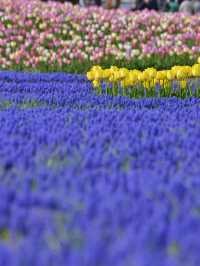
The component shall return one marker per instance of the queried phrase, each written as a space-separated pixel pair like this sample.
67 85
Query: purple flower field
88 180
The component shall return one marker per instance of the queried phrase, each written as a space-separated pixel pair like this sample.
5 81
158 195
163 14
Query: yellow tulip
114 68
96 83
188 70
154 81
123 72
196 70
175 69
135 71
133 77
146 75
116 76
181 74
183 84
142 76
147 84
125 83
160 75
111 78
90 75
151 72
166 83
171 75
105 73
98 74
96 68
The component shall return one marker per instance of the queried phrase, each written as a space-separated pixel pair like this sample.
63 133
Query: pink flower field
35 34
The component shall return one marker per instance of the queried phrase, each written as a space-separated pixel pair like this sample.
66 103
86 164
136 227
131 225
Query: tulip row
53 36
180 81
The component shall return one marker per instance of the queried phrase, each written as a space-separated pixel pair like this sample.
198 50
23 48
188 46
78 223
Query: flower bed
53 36
88 180
98 180
179 81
